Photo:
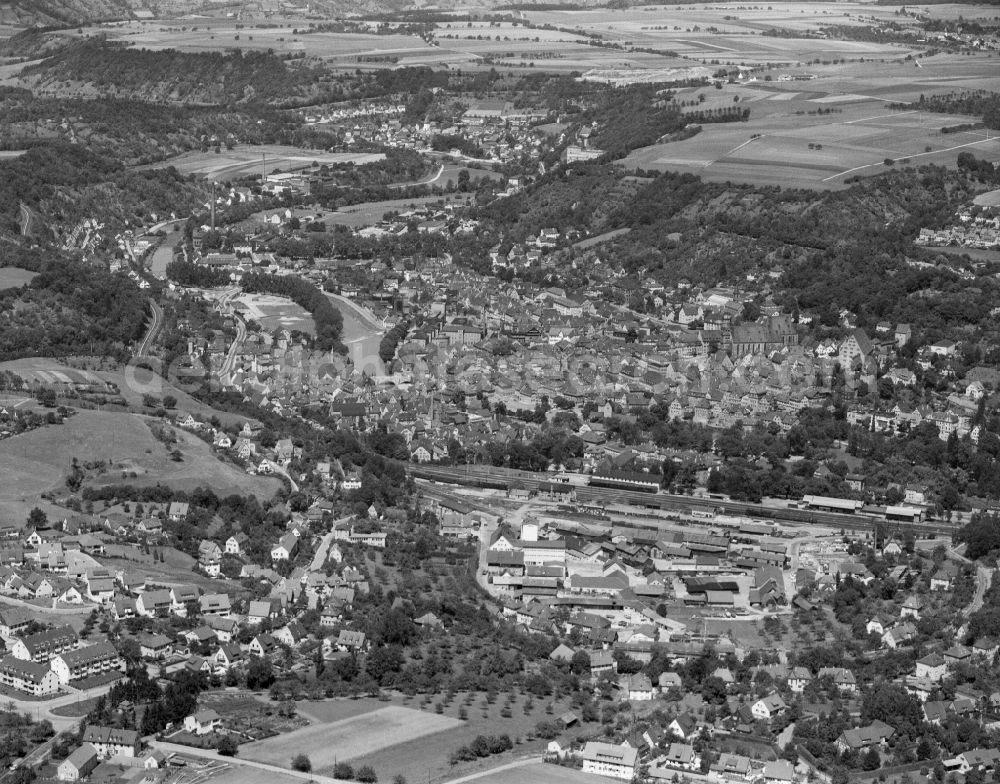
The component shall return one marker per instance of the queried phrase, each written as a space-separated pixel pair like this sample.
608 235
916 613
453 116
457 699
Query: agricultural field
814 134
50 372
535 773
37 461
232 772
207 34
350 738
14 277
132 382
371 212
727 33
429 755
245 159
274 313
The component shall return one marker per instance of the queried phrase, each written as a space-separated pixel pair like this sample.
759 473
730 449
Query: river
362 335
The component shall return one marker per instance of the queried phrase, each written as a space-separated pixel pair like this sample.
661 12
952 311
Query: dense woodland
978 103
67 183
71 308
204 77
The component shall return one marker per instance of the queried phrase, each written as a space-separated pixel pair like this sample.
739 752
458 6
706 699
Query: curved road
27 217
154 329
42 709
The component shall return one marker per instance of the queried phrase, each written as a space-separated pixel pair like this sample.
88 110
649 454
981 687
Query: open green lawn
38 461
361 735
538 773
14 277
429 755
423 756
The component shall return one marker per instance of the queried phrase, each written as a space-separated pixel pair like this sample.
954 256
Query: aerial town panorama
499 393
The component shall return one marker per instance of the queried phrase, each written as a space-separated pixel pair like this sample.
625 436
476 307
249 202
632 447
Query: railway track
484 476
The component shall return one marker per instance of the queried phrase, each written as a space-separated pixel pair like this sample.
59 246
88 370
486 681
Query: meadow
535 773
38 461
245 159
820 132
414 741
330 742
729 33
14 277
369 213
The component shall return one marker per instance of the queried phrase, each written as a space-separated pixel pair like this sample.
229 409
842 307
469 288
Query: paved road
533 760
26 219
175 748
154 329
322 552
226 371
80 610
280 471
984 577
432 178
39 710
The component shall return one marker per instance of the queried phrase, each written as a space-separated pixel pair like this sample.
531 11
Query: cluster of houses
976 227
516 344
502 131
47 660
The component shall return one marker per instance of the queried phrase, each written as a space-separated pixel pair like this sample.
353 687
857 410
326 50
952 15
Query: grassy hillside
40 460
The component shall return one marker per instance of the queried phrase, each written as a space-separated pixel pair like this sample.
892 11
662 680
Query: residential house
732 768
638 688
29 677
778 772
350 640
14 621
154 604
155 646
766 708
944 577
236 544
42 646
911 608
203 722
899 635
606 759
684 726
877 733
291 634
286 547
263 609
112 741
932 666
798 679
85 662
210 558
78 765
683 756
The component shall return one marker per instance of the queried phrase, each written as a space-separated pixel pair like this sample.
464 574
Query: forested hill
64 12
821 251
66 184
113 69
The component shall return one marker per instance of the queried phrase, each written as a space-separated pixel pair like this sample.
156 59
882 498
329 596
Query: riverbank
362 335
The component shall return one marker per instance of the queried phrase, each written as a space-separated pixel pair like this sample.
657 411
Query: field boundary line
881 116
915 155
735 149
